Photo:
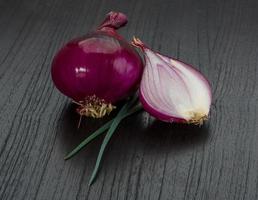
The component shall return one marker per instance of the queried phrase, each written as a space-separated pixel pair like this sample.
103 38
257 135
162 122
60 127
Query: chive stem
111 130
98 132
108 136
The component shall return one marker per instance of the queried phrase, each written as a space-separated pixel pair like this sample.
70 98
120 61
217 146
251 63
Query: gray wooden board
146 159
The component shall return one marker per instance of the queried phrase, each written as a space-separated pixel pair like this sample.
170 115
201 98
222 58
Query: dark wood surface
146 159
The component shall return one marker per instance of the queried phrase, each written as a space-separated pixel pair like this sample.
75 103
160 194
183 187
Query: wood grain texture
146 159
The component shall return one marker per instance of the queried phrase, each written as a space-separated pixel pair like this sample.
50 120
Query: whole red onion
98 69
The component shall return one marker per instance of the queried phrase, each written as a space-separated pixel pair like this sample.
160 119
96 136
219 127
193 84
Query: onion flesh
173 91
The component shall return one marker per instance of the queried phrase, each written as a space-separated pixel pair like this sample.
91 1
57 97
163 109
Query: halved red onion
171 90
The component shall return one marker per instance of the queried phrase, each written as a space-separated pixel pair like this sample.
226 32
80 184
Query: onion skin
100 64
109 71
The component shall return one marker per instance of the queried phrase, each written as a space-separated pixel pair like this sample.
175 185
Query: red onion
171 90
98 69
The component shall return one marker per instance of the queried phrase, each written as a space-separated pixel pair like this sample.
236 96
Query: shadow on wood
170 137
175 137
69 133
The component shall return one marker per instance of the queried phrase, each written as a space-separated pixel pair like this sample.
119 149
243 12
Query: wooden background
146 159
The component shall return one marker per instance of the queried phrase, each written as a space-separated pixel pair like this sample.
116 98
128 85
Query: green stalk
89 139
111 130
98 132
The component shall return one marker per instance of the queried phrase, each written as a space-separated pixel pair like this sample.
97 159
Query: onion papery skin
100 64
173 91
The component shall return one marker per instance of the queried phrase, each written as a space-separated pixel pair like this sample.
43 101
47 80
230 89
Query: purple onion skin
100 63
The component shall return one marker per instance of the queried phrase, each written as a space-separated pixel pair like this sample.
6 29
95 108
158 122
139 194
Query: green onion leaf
108 136
100 131
89 139
115 123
